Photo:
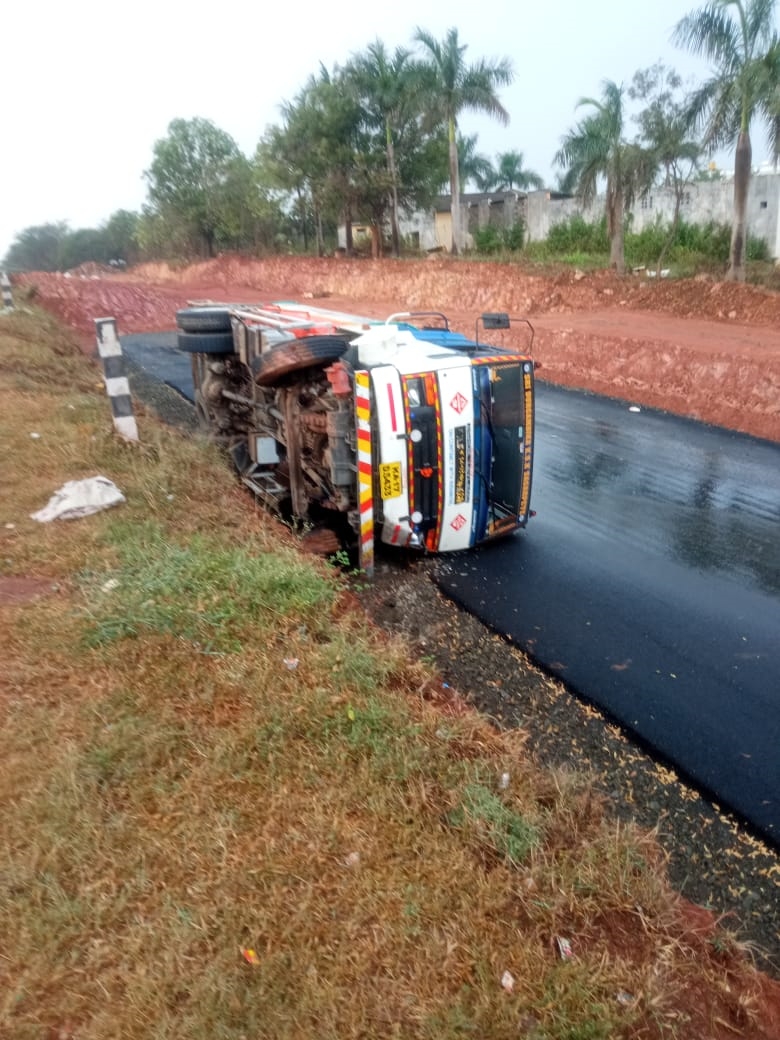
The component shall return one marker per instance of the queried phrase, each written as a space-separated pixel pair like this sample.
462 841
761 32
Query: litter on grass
80 498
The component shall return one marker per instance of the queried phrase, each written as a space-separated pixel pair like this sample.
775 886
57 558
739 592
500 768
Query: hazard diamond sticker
458 402
458 522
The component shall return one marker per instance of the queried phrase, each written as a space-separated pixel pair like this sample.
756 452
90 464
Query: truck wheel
203 319
206 342
309 352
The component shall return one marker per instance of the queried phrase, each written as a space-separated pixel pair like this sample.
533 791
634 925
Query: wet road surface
649 582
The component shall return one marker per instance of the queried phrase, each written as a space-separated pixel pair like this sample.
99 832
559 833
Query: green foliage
597 150
55 247
491 239
450 87
493 822
693 247
203 593
664 127
121 233
473 167
740 42
488 239
577 235
37 248
511 173
199 184
758 250
514 236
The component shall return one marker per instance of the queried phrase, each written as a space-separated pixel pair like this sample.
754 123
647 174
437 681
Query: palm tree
665 131
511 173
386 86
596 150
455 87
738 38
472 165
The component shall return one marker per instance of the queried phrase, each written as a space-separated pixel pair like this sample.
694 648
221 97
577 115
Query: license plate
390 480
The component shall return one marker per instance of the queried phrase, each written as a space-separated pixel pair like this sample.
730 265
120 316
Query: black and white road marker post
5 286
117 386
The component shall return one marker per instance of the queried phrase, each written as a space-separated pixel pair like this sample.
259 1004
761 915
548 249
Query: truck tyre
309 352
203 319
206 342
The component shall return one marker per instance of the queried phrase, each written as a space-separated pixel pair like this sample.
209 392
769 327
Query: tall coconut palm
453 87
511 173
739 38
473 166
387 91
596 150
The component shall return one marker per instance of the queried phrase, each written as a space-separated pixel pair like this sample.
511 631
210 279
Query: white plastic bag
80 498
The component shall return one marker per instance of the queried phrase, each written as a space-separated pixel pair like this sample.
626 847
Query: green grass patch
488 817
210 595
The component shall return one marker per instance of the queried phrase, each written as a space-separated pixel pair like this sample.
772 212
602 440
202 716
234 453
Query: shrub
576 235
491 239
487 239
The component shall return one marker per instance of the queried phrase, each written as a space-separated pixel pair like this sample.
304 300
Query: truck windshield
499 391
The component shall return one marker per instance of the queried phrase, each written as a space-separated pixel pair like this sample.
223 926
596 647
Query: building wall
704 201
432 230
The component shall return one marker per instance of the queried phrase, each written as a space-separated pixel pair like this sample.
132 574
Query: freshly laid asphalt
158 354
649 581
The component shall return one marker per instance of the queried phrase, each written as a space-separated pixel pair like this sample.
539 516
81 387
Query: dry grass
206 751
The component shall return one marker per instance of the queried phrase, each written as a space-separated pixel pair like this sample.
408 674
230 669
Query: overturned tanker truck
403 431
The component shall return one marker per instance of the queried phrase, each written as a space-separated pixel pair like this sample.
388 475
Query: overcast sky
89 86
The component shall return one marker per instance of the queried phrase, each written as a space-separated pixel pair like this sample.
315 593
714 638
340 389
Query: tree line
379 137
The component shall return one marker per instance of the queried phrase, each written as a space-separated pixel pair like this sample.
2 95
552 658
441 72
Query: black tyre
309 352
203 319
206 342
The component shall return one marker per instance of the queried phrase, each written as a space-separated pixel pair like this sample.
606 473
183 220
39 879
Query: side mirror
495 321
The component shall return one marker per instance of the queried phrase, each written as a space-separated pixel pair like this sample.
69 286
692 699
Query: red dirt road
704 349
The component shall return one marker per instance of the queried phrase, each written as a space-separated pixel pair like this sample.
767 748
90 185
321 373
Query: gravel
166 403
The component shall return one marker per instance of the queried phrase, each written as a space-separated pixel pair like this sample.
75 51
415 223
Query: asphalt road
157 354
649 582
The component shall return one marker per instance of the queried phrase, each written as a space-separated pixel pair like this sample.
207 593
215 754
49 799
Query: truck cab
402 431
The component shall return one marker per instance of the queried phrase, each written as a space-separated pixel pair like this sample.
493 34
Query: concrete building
431 231
704 201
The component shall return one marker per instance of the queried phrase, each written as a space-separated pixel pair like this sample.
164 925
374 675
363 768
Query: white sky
88 86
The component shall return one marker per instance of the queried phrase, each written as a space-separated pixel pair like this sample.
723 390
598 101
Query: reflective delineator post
117 386
5 285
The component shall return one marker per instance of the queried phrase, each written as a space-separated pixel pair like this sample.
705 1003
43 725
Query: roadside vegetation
232 808
687 250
